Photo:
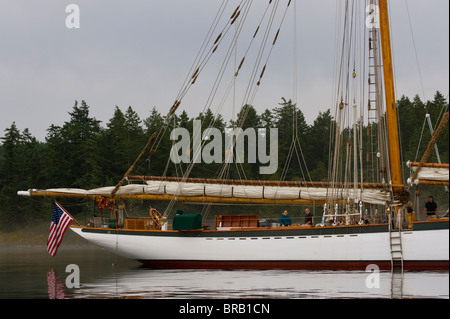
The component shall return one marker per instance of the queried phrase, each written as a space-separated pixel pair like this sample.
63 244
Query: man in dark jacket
308 218
431 208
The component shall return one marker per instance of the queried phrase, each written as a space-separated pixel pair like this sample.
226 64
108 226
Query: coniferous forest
85 153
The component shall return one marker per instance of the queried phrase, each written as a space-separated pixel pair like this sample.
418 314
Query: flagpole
67 212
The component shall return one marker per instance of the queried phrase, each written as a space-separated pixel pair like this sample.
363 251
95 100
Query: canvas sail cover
210 191
428 172
434 174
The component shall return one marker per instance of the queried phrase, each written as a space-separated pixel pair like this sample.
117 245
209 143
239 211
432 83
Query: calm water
30 273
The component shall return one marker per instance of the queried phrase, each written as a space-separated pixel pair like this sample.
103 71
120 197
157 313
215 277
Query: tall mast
391 109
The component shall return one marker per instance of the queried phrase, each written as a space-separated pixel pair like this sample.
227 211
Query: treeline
83 153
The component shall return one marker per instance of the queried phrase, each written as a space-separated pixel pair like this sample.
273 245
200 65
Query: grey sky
138 53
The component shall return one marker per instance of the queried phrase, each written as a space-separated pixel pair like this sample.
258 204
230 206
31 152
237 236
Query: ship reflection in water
237 284
33 273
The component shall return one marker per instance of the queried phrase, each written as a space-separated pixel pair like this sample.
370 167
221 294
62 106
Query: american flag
60 221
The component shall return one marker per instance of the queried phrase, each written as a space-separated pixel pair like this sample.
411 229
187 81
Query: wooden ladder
395 239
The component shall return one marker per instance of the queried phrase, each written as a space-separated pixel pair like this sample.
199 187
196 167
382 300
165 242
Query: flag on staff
60 221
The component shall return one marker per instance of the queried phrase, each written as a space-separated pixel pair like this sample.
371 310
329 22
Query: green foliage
84 154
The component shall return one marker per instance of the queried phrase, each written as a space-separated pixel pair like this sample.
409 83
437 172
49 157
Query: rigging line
295 147
231 84
415 52
169 158
227 57
156 134
218 80
254 35
207 207
270 51
363 76
348 42
203 47
233 81
335 95
150 142
157 140
201 64
187 172
222 75
337 146
233 110
237 69
356 58
259 57
258 84
204 63
300 161
402 159
349 55
341 64
275 39
294 53
260 53
420 140
444 109
287 162
161 132
304 162
160 136
382 140
331 147
338 24
213 121
203 58
347 164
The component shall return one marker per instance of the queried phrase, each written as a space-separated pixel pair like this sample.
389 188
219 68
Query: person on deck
308 218
285 220
431 208
411 214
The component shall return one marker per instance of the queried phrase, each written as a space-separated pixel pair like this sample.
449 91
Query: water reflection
146 283
55 287
32 273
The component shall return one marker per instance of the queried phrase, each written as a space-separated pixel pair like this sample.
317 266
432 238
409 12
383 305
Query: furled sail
223 191
427 173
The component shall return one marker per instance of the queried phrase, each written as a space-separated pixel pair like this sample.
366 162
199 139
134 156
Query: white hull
296 248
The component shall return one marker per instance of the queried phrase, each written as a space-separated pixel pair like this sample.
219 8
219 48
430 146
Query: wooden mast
391 109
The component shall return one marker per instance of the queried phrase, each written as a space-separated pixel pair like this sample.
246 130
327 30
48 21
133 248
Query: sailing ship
362 221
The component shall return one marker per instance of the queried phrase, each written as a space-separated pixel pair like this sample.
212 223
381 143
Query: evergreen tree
318 139
248 118
184 119
207 120
123 139
21 160
438 106
267 119
156 159
57 158
10 175
10 155
113 140
291 123
74 146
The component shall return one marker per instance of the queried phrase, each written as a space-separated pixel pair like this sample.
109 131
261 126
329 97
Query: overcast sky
137 53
